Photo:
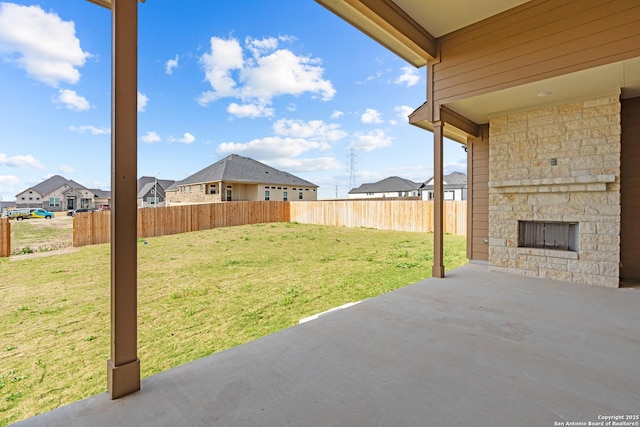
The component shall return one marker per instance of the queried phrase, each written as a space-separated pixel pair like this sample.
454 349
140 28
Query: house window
152 200
449 195
229 194
213 189
285 196
54 202
548 235
266 194
300 195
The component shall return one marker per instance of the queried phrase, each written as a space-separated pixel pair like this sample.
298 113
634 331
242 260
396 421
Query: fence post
5 237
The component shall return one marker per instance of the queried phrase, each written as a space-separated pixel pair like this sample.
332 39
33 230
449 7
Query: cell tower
352 167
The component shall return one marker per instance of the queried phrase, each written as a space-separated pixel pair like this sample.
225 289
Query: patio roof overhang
396 25
389 25
107 3
456 127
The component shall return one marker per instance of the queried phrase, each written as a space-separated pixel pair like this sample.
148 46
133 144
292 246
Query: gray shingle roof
102 194
55 182
145 183
235 168
387 185
146 189
452 180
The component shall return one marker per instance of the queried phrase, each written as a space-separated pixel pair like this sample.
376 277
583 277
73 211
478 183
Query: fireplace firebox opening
548 235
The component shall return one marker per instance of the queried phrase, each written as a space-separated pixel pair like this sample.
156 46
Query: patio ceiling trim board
389 25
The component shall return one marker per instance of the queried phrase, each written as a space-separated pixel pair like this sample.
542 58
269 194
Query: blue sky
286 83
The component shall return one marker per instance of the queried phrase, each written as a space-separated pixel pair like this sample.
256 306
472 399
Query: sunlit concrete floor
476 348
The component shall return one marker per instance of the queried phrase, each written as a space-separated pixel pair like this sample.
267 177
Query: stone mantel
554 185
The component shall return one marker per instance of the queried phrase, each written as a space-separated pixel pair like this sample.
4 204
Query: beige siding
478 163
630 192
538 40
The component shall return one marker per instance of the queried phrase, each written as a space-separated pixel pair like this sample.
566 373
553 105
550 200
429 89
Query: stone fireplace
555 173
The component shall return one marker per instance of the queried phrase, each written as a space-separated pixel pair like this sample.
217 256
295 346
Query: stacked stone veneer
584 187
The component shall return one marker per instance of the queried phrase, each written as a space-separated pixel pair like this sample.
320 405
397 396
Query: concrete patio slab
477 348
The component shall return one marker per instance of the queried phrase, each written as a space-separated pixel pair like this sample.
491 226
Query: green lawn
198 293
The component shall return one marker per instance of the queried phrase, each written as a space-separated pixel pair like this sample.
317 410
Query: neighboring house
237 178
5 205
545 96
59 194
151 191
455 187
101 197
393 186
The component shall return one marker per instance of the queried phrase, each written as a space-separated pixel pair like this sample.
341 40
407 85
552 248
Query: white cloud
171 64
284 73
409 76
142 102
187 138
66 169
314 129
225 57
307 165
21 161
9 181
403 112
41 43
91 129
456 166
72 100
269 148
150 137
268 72
375 76
337 114
371 140
250 110
261 47
371 116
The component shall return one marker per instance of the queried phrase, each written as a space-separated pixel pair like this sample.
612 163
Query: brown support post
438 206
123 369
470 234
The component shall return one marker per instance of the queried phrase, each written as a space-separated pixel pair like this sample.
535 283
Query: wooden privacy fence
5 237
95 227
398 215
